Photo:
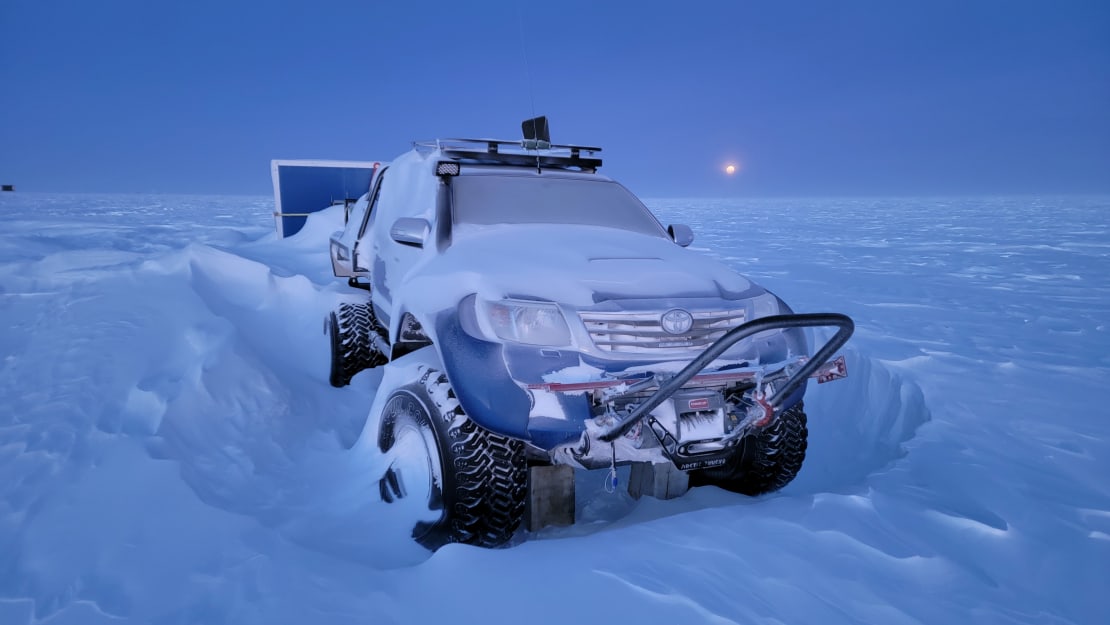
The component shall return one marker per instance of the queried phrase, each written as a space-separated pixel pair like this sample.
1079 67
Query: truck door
362 254
406 192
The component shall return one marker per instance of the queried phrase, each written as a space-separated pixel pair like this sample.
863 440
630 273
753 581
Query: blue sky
809 98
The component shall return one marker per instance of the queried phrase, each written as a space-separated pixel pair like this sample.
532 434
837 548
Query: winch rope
611 480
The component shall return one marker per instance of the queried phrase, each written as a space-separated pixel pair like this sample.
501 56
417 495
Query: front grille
629 332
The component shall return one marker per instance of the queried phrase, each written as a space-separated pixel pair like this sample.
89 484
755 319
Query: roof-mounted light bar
447 168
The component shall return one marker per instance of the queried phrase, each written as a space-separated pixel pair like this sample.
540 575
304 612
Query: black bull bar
844 328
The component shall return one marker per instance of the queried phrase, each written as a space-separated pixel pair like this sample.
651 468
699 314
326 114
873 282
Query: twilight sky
806 97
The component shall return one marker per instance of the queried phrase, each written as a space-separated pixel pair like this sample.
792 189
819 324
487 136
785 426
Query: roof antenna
536 136
524 53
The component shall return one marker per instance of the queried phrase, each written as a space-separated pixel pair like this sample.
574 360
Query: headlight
764 305
533 323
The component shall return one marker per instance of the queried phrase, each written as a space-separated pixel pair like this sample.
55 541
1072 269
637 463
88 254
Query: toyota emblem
676 321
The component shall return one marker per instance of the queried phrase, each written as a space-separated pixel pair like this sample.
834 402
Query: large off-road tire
474 481
765 460
350 329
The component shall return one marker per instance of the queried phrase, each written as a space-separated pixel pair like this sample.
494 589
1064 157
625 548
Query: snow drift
171 451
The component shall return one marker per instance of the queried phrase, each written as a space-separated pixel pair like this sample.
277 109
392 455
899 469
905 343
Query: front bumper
553 396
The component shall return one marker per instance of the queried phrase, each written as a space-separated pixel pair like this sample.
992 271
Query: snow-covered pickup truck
558 323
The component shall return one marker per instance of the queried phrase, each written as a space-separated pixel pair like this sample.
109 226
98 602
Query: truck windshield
493 199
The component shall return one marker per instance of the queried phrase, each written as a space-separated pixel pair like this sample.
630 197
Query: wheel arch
479 376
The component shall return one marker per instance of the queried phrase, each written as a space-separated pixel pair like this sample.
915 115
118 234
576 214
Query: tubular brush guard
842 323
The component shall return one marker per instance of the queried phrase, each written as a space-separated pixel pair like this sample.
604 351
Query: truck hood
574 265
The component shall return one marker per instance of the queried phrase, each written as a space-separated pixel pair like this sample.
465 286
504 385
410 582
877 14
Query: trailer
303 187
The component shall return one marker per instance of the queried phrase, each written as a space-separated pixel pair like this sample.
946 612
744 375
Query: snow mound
171 451
858 425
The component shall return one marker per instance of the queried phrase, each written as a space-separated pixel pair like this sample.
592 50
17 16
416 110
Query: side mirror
681 234
410 231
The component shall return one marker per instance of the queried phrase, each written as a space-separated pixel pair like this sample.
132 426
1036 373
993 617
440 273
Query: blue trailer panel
303 187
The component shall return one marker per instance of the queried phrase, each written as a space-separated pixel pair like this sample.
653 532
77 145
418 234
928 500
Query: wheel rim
414 457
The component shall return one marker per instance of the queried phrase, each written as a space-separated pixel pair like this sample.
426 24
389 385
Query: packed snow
171 451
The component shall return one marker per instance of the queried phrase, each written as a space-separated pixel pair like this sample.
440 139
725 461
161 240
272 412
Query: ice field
171 450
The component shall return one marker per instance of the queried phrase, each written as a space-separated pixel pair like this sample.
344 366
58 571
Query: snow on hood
570 264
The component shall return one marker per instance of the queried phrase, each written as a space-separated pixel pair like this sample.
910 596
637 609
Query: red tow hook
761 412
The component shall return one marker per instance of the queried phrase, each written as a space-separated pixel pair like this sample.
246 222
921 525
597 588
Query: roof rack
527 152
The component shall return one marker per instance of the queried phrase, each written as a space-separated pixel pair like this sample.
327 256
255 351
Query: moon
730 169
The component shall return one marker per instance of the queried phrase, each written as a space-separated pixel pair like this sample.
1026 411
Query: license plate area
701 462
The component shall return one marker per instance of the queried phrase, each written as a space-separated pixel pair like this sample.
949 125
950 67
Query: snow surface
171 451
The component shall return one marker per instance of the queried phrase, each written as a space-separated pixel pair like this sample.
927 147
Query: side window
371 210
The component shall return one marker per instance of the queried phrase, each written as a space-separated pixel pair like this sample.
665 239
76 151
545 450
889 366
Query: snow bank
171 451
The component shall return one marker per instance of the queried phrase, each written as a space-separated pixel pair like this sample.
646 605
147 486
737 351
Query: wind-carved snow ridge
858 425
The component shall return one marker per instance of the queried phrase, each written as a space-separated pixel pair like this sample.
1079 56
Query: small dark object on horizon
7 187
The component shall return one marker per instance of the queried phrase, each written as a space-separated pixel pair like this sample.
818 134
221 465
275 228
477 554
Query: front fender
480 379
